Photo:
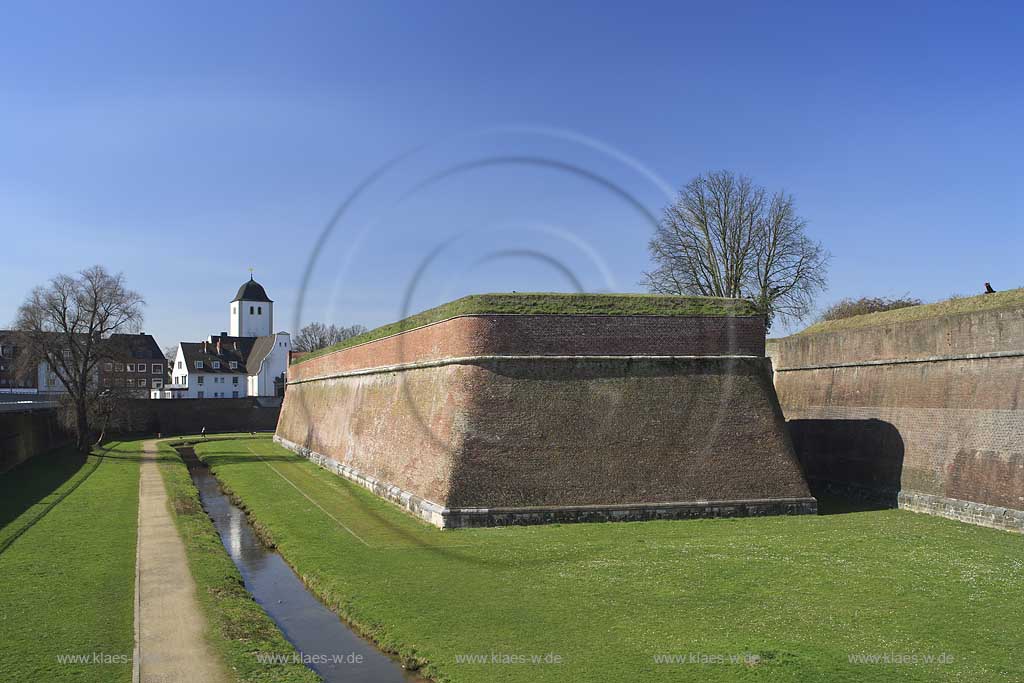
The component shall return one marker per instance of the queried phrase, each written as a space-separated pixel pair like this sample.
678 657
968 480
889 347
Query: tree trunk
82 426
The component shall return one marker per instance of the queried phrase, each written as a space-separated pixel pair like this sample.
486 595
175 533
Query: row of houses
128 361
250 361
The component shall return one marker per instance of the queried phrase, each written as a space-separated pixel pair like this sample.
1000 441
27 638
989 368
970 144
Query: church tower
252 311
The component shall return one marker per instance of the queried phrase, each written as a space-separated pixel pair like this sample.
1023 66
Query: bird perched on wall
988 289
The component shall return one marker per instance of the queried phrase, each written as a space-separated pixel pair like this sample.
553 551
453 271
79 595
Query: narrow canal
328 646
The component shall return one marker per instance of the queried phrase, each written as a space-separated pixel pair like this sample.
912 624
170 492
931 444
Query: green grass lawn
69 577
237 626
535 303
803 594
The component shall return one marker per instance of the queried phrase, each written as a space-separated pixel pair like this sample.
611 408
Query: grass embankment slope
803 594
237 626
539 303
970 304
69 576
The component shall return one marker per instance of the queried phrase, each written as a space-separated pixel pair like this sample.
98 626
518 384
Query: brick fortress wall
926 415
496 419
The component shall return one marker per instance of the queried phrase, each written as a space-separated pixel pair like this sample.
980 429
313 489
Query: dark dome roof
251 291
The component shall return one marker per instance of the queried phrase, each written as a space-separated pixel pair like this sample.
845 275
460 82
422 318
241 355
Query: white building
252 311
251 361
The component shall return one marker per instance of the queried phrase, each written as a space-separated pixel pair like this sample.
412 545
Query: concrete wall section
925 415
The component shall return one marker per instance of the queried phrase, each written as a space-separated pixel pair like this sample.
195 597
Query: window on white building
179 365
234 380
201 395
234 394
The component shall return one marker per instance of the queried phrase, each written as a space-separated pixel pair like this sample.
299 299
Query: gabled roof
130 346
251 291
248 352
260 350
207 353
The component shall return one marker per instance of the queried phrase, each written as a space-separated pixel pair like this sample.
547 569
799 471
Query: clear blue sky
182 144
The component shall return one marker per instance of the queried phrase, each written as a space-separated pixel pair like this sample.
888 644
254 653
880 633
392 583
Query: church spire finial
250 273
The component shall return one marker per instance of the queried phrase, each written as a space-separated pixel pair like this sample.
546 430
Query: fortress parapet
920 408
532 408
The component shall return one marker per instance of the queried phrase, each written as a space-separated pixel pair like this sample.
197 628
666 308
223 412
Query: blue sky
183 144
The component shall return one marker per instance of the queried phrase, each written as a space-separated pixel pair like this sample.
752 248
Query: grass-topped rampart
540 303
956 306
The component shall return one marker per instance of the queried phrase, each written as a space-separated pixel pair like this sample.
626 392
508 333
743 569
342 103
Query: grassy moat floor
67 567
851 596
777 598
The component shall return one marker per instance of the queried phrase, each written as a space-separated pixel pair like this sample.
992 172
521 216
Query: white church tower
252 311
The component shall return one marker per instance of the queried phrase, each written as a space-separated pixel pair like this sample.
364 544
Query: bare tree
315 336
725 236
66 324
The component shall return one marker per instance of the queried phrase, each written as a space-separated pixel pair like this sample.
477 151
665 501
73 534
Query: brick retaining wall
924 412
557 335
24 434
478 427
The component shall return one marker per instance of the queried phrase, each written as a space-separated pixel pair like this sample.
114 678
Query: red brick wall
528 432
569 335
951 427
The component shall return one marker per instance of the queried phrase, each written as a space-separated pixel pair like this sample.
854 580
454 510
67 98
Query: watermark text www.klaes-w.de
93 658
900 658
509 658
309 658
708 658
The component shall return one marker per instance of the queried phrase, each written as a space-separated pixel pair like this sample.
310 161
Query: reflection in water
234 543
328 647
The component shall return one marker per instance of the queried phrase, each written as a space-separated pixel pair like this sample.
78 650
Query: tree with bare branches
725 236
315 336
66 324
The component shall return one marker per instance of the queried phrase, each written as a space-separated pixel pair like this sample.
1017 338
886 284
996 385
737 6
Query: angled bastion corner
649 408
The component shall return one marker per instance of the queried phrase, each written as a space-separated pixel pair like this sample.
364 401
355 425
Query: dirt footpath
168 623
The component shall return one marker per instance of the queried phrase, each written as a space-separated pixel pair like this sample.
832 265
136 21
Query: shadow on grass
836 504
35 479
